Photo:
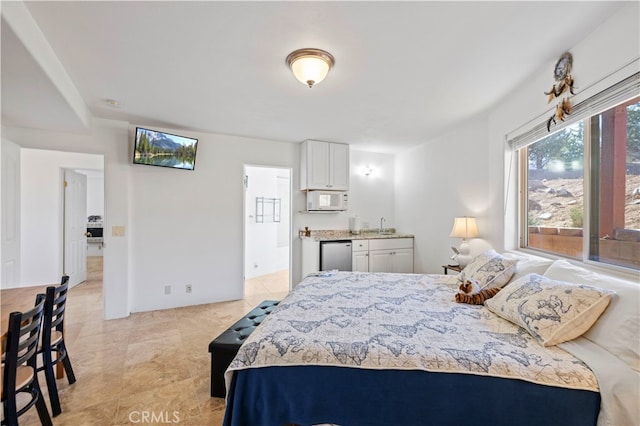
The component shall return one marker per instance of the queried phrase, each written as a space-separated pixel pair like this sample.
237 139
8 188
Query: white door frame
246 218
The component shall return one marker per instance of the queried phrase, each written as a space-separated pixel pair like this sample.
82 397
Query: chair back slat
60 301
58 313
22 341
28 336
55 304
57 322
27 351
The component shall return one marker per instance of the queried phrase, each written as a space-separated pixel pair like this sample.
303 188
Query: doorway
93 223
40 228
267 225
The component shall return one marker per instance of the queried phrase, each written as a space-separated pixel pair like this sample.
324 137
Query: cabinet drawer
360 245
390 243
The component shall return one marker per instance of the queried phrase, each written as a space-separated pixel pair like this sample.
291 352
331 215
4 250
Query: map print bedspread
403 322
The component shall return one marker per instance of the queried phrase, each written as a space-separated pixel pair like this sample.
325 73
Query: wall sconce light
367 171
310 66
464 227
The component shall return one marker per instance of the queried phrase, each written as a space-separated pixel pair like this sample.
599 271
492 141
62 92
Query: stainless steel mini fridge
335 255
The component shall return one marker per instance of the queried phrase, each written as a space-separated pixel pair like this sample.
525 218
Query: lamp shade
310 66
464 227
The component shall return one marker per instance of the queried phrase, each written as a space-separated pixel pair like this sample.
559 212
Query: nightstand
447 268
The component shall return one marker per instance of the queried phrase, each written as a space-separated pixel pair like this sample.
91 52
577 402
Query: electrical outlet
188 288
167 289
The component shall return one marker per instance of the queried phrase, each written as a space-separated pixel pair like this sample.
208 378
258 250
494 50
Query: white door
339 166
380 261
403 261
10 214
360 261
318 165
75 227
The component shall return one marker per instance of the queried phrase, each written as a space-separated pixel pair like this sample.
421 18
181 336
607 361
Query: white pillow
551 311
527 264
618 329
489 269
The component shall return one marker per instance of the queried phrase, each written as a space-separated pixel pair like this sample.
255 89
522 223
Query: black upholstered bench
225 347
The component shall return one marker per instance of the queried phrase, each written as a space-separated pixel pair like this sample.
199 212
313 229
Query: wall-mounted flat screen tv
155 148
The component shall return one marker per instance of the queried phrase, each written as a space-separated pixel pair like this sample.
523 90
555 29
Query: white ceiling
405 71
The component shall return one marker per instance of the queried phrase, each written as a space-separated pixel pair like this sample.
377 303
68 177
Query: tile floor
149 364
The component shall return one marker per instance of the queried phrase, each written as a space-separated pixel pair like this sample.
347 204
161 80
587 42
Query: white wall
187 226
463 171
41 199
95 191
437 181
95 203
264 252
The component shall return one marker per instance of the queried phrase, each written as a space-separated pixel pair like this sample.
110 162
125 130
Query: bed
381 349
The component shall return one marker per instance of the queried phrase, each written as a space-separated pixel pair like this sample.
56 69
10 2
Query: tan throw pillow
551 311
489 269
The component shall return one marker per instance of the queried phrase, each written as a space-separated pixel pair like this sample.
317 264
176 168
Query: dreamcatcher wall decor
563 84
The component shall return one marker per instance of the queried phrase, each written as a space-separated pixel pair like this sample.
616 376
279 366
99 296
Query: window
615 185
555 192
581 187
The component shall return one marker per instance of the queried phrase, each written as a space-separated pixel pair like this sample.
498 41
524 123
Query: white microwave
327 201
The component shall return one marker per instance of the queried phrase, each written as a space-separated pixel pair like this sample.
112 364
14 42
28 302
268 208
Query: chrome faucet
382 219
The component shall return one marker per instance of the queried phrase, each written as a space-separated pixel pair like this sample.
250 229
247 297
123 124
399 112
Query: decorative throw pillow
489 269
551 311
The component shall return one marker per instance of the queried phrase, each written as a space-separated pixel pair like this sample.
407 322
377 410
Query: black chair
53 341
19 369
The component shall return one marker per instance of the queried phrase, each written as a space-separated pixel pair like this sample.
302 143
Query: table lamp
464 227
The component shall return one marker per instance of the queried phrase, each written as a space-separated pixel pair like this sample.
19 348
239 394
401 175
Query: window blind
618 93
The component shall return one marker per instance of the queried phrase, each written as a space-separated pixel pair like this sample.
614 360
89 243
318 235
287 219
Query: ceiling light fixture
310 66
112 103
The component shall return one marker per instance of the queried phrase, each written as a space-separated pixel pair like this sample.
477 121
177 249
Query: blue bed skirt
308 395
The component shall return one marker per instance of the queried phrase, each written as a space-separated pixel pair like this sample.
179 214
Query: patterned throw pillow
489 269
551 311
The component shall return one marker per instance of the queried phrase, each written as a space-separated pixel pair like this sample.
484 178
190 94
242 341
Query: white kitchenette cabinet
391 255
324 165
360 255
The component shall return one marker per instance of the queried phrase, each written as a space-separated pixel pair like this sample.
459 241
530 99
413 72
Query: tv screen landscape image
154 148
